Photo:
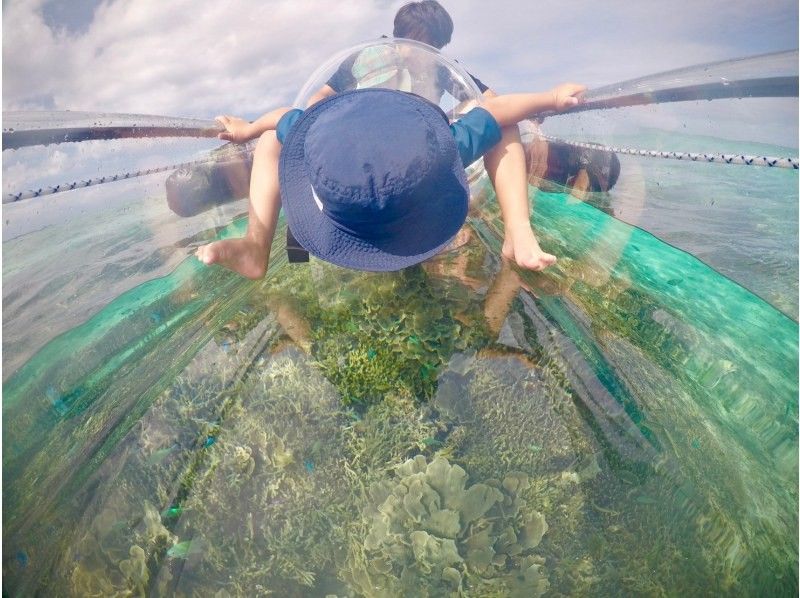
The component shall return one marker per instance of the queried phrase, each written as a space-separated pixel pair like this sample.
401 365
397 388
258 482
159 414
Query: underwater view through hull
624 423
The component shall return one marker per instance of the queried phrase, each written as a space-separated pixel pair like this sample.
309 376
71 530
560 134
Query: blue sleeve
286 122
475 134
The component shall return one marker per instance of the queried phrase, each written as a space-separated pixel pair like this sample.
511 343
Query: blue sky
200 58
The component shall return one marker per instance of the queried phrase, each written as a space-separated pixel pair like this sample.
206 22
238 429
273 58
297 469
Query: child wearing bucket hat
371 179
428 22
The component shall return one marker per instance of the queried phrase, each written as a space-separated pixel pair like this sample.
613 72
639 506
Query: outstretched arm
512 108
239 130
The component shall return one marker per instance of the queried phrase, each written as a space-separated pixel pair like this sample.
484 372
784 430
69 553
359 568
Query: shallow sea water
622 424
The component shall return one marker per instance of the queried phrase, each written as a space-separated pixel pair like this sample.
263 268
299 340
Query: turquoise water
740 221
624 423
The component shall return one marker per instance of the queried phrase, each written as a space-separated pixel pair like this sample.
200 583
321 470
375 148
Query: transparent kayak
623 422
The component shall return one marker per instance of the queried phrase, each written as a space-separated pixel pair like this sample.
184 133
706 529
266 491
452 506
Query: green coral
394 340
431 535
381 334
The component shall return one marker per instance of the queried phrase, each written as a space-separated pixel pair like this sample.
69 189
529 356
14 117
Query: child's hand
236 129
567 95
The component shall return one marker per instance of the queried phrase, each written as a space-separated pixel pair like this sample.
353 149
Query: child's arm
511 109
239 130
323 92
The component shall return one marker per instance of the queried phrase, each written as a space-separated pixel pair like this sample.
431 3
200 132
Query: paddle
21 129
711 81
762 76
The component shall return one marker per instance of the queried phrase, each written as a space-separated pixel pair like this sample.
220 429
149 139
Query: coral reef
320 445
102 570
431 535
509 413
269 504
135 570
381 334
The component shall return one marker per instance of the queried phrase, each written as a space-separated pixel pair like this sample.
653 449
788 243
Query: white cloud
179 57
199 59
602 43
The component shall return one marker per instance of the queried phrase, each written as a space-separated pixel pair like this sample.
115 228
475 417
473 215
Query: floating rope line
743 159
52 190
686 156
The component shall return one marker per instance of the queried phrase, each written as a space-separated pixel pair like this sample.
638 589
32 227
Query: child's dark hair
565 161
602 168
426 21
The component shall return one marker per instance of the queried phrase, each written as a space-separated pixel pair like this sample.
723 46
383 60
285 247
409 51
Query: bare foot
523 248
243 256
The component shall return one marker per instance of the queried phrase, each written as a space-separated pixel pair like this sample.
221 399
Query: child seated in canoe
373 179
428 22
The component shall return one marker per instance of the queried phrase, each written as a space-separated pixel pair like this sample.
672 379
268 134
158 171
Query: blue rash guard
475 133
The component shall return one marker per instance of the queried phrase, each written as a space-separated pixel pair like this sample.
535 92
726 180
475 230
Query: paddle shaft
769 87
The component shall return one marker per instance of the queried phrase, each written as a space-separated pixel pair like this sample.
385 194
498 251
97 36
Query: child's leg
505 164
249 255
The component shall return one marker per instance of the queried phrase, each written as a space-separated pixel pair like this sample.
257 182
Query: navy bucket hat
371 180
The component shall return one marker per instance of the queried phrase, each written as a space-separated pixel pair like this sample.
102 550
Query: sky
199 58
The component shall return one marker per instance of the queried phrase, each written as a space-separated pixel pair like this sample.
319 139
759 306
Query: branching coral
270 503
393 340
380 334
509 414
